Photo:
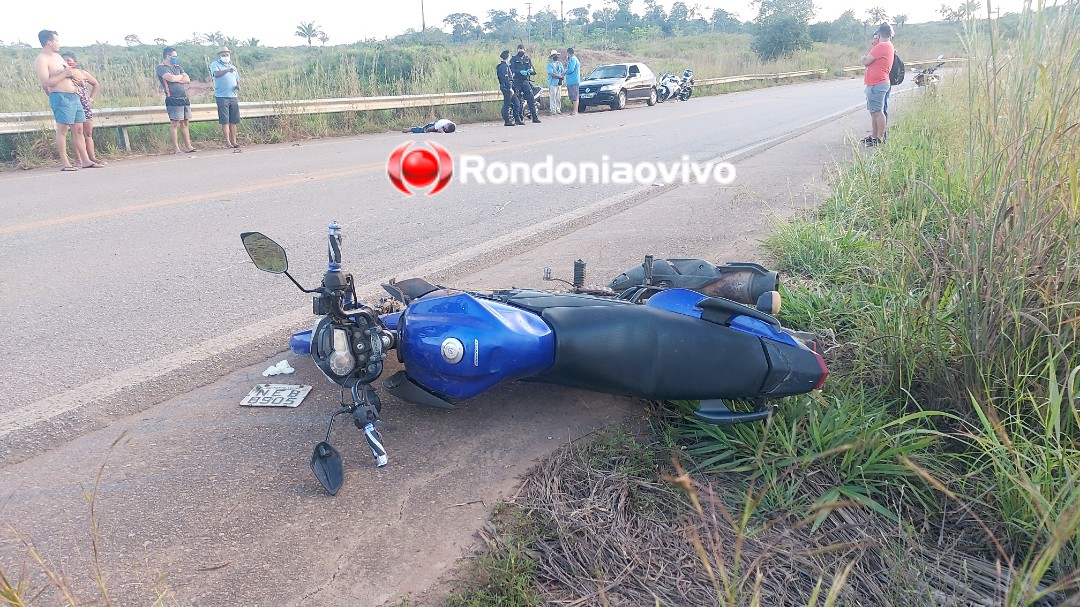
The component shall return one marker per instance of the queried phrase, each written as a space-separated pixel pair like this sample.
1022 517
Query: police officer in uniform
522 68
511 103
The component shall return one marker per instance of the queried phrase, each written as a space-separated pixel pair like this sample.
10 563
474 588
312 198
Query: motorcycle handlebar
374 441
333 248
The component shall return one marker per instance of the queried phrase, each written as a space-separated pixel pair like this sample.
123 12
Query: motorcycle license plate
588 95
275 395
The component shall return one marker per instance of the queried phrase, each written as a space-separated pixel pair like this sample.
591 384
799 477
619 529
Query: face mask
226 59
174 60
72 63
520 53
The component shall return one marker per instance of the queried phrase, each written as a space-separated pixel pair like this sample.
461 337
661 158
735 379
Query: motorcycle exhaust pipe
746 283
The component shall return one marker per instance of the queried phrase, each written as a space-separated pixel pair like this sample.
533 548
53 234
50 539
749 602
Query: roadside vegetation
940 465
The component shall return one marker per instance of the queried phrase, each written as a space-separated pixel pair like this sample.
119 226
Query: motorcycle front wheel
685 95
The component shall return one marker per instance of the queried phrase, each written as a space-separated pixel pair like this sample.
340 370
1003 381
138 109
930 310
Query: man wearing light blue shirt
556 72
226 87
573 79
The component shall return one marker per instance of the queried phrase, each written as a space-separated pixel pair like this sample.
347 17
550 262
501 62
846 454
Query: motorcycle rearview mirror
328 467
266 254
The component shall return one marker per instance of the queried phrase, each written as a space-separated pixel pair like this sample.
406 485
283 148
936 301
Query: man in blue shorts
60 82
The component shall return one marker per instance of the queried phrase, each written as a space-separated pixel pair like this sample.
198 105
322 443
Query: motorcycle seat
651 353
409 289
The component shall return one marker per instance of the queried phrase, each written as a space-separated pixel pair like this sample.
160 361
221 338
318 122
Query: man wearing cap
555 71
511 107
521 67
226 87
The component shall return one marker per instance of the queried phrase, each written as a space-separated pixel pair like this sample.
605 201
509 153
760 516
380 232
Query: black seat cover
650 353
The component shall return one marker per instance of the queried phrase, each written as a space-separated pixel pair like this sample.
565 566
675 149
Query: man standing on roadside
556 72
511 104
522 68
878 62
60 82
573 79
226 87
174 82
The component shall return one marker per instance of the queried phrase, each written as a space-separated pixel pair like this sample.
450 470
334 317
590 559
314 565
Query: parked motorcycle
928 76
526 114
672 87
642 337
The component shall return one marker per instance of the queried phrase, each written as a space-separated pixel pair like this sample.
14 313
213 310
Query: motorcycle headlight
342 361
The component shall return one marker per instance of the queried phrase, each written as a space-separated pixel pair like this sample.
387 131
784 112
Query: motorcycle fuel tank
459 345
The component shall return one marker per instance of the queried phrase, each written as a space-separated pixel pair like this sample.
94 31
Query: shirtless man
58 80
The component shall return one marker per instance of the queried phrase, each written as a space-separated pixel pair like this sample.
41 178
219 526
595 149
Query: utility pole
562 21
528 21
423 20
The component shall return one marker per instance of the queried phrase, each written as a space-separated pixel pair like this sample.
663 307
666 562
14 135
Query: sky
344 21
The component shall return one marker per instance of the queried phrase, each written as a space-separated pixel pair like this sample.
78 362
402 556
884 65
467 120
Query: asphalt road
134 324
114 279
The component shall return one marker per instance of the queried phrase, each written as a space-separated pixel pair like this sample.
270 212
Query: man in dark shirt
511 103
174 81
522 69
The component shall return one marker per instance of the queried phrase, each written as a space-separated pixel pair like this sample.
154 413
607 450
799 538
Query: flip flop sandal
69 169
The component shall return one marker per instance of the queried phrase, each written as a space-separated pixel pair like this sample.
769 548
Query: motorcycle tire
685 95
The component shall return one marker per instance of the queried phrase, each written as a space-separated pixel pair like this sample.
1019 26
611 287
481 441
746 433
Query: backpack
897 71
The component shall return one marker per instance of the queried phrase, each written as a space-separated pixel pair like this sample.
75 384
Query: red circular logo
419 168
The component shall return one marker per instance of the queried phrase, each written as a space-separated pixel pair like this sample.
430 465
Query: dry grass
606 529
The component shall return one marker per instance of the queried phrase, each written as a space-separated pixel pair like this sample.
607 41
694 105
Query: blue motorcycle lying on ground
647 335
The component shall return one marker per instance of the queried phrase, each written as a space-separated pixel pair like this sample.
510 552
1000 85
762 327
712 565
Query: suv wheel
620 101
652 98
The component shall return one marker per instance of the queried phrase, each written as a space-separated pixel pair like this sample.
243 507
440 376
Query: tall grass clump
945 271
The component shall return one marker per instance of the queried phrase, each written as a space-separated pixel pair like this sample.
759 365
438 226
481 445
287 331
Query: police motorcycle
642 336
672 87
525 113
928 76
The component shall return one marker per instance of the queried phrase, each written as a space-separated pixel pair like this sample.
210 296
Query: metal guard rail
29 122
